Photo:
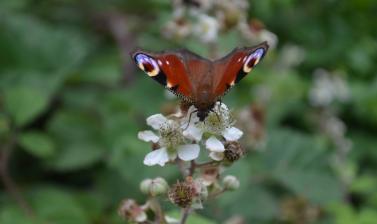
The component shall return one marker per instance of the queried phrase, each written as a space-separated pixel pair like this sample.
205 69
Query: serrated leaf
37 143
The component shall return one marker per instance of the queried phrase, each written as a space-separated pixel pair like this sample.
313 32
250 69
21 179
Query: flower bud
231 183
233 151
145 185
131 211
154 187
182 194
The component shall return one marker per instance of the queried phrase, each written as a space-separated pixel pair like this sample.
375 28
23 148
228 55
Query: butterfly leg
188 124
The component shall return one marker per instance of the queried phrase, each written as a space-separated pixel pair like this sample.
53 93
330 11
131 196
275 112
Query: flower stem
192 168
185 214
156 207
215 194
207 164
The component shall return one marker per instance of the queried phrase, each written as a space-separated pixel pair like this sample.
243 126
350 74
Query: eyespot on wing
147 64
253 59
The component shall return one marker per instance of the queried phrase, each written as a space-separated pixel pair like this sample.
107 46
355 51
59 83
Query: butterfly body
197 80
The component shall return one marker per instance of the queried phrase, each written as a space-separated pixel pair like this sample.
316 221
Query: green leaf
37 143
76 156
253 202
57 206
13 215
344 214
316 185
24 103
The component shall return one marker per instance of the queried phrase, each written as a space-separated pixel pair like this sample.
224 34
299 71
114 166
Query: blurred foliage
74 111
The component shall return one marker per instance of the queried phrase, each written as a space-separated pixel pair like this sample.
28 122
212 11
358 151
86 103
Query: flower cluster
177 139
206 19
182 138
327 88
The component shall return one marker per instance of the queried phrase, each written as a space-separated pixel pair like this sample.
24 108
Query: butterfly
196 80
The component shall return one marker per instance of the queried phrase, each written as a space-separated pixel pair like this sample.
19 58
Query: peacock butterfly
196 80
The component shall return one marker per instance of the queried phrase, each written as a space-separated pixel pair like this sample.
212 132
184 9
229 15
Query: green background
72 102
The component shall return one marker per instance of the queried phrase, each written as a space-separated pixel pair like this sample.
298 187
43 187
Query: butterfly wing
179 71
230 69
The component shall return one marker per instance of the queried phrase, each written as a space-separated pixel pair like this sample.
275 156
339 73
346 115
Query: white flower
193 132
156 120
217 123
158 156
148 136
162 155
327 88
214 145
207 28
232 134
170 139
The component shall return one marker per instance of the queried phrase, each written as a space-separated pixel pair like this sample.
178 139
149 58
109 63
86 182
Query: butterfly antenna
188 124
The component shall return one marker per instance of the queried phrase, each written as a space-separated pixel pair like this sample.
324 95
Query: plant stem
10 186
192 168
185 214
156 207
207 164
214 195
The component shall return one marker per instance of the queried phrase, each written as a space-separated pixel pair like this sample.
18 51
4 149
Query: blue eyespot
147 64
253 59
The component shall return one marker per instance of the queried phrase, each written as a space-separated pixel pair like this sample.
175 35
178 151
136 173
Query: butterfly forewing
169 69
195 79
235 66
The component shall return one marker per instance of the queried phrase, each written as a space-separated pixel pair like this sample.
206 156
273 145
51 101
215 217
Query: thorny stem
7 180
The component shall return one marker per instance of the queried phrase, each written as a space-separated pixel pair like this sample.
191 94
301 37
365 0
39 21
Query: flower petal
188 152
193 133
232 134
148 136
214 145
159 156
156 120
218 156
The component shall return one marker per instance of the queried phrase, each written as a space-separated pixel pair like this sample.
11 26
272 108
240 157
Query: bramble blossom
218 125
170 140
